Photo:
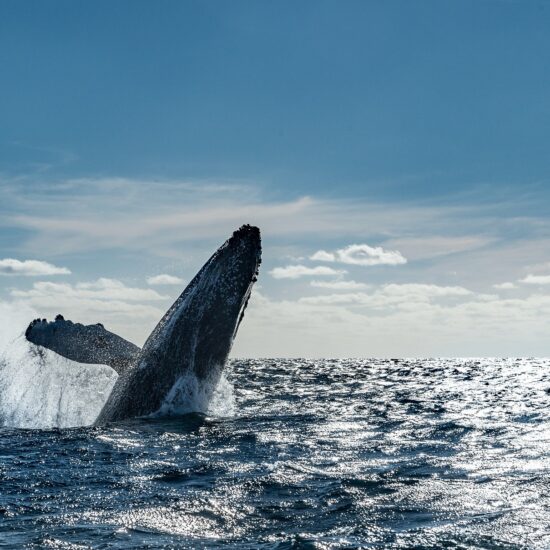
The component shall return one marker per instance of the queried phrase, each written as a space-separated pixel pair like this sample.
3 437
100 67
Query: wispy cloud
164 279
101 290
536 280
117 221
429 246
297 271
361 254
86 214
159 232
505 286
427 290
458 322
158 217
391 295
30 268
323 256
339 285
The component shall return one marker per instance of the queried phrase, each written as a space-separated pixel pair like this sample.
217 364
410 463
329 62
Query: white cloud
126 309
536 280
361 254
103 295
203 218
296 271
102 289
339 285
359 298
30 268
446 327
504 286
427 290
392 296
159 216
164 218
108 289
164 279
323 256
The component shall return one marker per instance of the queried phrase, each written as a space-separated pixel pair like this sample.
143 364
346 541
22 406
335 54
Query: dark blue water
324 454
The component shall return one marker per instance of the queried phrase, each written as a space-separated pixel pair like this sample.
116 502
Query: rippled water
318 454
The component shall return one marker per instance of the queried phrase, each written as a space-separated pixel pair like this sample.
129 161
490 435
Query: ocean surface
437 453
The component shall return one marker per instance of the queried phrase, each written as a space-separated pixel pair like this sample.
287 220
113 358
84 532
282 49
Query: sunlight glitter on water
325 454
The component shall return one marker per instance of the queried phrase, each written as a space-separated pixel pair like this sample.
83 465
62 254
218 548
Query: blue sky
136 136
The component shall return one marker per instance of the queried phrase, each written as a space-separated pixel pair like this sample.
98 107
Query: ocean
358 453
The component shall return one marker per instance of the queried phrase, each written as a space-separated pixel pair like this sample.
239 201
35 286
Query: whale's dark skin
83 343
195 335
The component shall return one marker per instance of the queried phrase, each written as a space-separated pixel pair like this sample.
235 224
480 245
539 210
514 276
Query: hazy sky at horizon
394 155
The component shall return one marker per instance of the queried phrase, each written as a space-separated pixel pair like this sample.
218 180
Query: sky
394 154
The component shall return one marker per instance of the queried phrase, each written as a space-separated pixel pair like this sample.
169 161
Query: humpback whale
194 337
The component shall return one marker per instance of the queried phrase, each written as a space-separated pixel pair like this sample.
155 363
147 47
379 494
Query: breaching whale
194 337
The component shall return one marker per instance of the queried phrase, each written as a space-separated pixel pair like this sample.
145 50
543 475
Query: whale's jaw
196 334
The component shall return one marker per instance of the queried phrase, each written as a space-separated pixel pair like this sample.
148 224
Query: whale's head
197 332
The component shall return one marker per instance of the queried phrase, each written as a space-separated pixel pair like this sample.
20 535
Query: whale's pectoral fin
83 343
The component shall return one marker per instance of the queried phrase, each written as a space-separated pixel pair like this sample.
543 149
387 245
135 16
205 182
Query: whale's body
193 338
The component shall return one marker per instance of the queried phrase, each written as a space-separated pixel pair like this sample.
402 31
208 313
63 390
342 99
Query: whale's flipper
196 333
83 343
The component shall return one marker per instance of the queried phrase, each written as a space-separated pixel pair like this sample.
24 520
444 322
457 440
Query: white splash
213 396
14 319
41 389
